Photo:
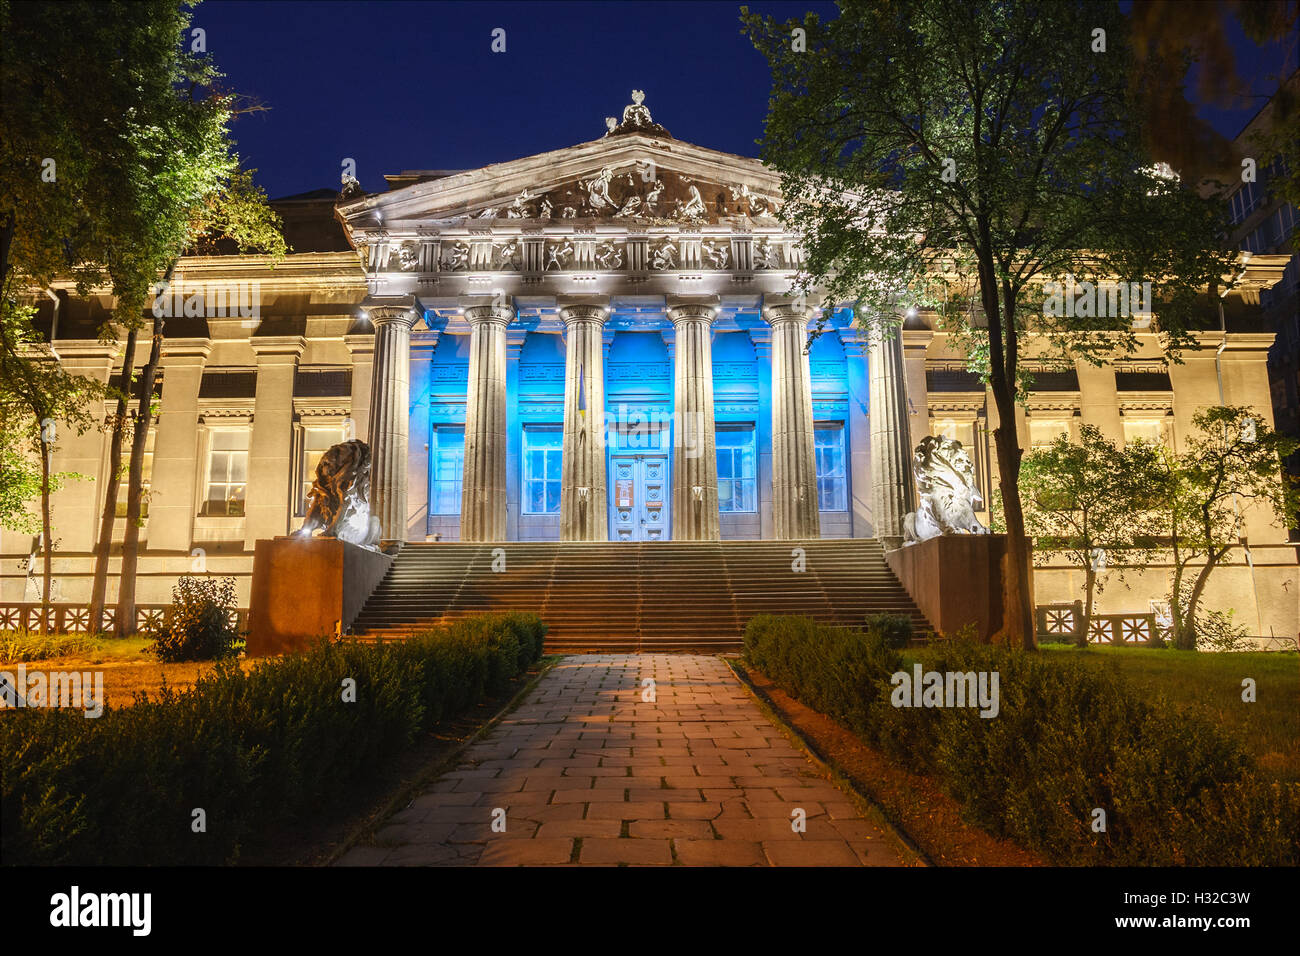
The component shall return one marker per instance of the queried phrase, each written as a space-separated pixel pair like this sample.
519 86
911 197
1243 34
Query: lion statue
339 499
946 492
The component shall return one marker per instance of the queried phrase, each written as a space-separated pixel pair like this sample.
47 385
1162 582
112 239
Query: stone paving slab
593 769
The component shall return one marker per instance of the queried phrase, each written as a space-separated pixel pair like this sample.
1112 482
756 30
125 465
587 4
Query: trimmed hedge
251 749
1068 738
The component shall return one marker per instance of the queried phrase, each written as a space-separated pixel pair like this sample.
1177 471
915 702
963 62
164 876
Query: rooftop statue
339 499
946 492
636 119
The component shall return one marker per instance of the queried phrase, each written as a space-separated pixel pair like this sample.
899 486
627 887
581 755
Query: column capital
583 312
481 309
780 309
390 310
692 308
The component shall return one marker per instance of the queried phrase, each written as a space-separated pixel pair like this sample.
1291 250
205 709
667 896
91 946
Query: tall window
737 468
1154 431
446 467
227 473
832 482
315 442
124 476
542 450
1042 432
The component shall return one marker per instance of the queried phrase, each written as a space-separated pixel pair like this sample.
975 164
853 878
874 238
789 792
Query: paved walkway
587 772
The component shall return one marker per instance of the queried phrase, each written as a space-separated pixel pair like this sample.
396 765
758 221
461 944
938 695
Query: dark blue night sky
415 85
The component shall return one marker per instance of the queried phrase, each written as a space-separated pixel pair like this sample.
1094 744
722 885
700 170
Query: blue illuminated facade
639 417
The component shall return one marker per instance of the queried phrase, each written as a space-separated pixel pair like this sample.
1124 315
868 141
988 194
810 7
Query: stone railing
1062 622
75 618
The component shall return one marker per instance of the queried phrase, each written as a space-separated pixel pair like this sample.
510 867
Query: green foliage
1232 463
1082 502
1068 737
893 630
955 155
254 749
199 626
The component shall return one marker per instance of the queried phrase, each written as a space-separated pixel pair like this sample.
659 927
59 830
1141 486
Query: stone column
515 339
695 459
761 337
859 425
270 447
583 515
390 396
916 343
177 467
794 463
893 493
483 488
362 349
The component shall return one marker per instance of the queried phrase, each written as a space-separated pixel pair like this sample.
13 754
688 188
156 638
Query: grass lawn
1211 683
18 646
128 667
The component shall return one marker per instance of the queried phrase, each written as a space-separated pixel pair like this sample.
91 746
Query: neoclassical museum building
597 343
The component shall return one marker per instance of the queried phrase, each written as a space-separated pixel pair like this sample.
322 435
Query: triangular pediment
630 178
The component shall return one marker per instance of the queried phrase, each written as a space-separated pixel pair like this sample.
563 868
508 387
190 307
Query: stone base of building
306 589
955 580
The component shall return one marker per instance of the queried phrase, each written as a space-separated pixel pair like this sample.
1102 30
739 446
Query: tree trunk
1089 587
139 440
104 543
1017 599
47 569
1187 637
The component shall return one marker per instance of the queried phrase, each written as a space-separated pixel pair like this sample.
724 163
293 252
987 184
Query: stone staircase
652 596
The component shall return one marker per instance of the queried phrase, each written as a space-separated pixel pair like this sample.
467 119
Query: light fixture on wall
584 493
697 492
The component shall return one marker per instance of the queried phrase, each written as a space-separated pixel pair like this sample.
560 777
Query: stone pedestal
955 580
483 488
695 458
308 589
583 515
794 462
893 492
390 396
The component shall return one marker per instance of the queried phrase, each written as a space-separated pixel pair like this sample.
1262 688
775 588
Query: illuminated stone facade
596 343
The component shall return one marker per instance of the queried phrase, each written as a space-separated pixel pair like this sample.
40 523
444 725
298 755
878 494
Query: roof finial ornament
636 119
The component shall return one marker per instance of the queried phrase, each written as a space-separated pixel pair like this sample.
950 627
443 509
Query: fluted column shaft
483 482
893 493
695 459
583 515
390 393
794 461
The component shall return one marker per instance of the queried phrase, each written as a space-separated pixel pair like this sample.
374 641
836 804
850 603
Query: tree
1232 463
44 398
959 156
1080 502
132 123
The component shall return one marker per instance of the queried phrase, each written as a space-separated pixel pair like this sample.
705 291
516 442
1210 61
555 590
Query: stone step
648 595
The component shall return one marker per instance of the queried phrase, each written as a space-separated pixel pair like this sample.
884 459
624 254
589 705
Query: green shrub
252 749
894 629
1068 739
199 625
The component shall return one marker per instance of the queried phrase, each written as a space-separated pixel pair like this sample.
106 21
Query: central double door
639 495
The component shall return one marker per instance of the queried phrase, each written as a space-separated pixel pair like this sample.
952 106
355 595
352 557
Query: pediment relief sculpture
637 190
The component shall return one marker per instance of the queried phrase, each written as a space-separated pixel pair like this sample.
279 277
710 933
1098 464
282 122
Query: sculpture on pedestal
945 491
339 499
